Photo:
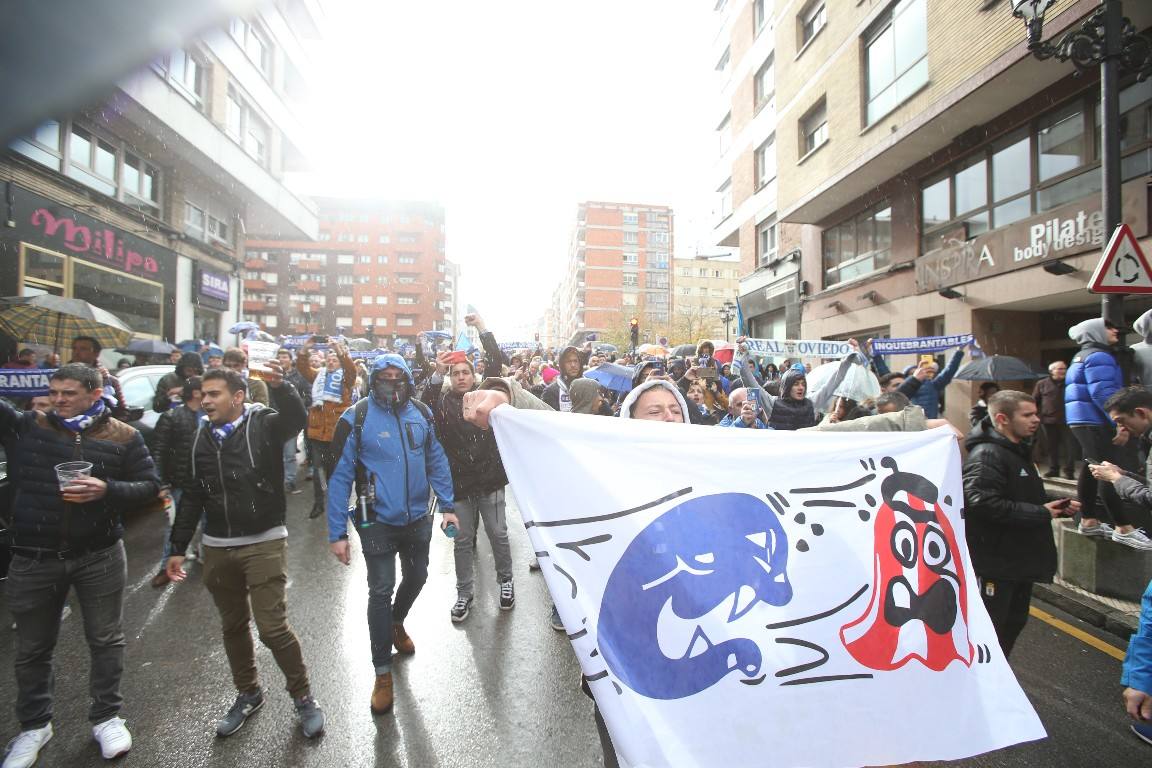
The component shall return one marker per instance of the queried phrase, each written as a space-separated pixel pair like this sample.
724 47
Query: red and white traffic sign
1123 268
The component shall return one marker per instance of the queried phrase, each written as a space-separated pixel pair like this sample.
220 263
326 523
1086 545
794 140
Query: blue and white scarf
221 432
80 423
328 387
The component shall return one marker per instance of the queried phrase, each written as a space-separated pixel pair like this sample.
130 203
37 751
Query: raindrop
864 514
801 546
799 518
869 499
817 529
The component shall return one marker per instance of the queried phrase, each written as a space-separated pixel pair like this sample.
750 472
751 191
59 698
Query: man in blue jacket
390 453
932 381
1093 378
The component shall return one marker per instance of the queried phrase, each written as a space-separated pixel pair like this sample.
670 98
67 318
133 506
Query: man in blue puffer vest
1093 377
393 461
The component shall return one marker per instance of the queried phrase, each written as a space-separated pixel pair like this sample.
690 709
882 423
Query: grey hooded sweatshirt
1142 365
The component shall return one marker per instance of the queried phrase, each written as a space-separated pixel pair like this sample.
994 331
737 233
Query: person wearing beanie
548 374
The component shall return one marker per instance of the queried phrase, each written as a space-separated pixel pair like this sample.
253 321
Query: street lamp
727 314
1108 40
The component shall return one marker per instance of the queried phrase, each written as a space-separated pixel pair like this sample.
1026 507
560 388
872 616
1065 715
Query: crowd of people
400 445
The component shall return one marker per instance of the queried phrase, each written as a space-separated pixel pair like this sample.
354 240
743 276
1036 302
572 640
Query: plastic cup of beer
70 471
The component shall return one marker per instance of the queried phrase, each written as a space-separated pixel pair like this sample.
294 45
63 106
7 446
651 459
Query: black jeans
1063 448
37 590
1007 603
323 462
1096 445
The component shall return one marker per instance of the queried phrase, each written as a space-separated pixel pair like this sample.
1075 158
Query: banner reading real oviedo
24 382
797 347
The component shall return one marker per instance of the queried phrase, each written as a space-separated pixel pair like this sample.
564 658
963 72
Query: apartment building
618 268
141 204
942 179
703 286
377 269
745 177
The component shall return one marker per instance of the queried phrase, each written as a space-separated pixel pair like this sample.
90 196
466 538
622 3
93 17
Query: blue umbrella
246 325
617 378
190 345
437 335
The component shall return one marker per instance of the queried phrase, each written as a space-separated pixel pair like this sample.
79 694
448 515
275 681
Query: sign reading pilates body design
726 617
24 382
797 347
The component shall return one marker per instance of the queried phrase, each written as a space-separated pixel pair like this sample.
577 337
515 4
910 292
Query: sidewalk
1120 617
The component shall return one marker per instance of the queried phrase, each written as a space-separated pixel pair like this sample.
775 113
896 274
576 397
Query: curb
1088 610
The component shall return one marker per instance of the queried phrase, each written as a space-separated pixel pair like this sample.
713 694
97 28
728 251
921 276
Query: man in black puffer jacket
1008 523
67 539
171 437
238 484
478 477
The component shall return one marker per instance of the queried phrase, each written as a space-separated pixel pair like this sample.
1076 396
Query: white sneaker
23 750
113 738
1135 538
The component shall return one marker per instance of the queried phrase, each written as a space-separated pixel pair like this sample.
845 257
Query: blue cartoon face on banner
710 559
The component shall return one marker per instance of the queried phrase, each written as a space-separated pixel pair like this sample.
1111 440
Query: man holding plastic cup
75 471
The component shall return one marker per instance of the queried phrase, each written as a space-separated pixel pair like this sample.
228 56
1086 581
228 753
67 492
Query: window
657 221
717 293
1135 130
405 322
759 16
812 19
325 236
194 221
364 259
345 258
814 129
382 259
701 291
383 239
381 299
724 133
1049 163
631 258
685 271
361 238
631 219
685 290
405 300
92 161
656 280
406 279
858 246
631 238
344 321
765 85
381 322
186 72
766 242
629 299
344 280
218 230
405 258
139 181
724 200
722 64
658 238
43 145
702 272
246 127
408 237
365 299
896 54
766 162
630 279
343 301
254 42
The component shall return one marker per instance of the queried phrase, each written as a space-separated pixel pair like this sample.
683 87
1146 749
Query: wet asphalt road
500 689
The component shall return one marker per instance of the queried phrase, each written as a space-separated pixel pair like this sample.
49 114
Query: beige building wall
701 288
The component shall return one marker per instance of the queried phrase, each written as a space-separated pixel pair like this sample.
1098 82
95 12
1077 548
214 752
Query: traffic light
537 337
635 332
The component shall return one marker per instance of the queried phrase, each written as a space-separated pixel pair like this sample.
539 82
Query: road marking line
1077 633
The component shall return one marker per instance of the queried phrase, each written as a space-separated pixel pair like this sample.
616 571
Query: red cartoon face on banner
918 607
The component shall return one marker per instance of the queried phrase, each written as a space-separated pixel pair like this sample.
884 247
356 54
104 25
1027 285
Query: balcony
255 285
255 264
258 305
306 285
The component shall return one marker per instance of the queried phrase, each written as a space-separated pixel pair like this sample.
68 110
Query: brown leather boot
401 640
382 694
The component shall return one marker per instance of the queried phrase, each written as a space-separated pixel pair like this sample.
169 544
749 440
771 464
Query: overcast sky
510 114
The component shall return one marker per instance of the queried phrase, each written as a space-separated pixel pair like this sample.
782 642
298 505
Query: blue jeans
381 544
36 593
290 459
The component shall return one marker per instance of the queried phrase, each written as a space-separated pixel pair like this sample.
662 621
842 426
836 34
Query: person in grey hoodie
1142 350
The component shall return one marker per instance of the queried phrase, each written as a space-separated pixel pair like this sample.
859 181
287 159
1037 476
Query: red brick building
378 269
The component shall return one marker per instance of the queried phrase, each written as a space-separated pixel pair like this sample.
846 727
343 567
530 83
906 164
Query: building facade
702 286
140 205
377 269
745 180
619 267
941 180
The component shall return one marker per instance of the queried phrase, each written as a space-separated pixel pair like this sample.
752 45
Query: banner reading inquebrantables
740 598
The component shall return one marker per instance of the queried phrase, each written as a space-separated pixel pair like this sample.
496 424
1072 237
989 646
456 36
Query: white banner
797 348
810 604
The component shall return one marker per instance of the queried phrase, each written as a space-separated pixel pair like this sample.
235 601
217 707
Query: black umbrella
148 347
997 368
684 350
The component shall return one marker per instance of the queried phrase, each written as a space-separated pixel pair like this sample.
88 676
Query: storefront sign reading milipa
1065 231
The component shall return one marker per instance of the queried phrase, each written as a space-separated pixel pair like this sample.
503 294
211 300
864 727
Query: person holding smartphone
1009 520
